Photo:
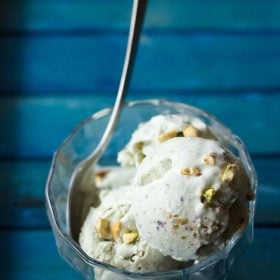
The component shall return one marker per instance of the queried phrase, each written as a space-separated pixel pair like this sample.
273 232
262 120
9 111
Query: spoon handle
136 22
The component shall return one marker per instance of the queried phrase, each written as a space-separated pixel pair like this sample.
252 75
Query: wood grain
35 127
34 255
48 15
176 61
22 185
261 260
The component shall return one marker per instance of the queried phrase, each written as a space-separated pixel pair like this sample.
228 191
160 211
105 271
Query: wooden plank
176 61
37 126
34 255
22 184
268 194
190 14
261 261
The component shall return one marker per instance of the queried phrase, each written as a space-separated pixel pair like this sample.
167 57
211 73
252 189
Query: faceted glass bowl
83 140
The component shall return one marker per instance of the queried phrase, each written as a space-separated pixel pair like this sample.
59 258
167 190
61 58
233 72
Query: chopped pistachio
180 221
229 172
207 195
115 229
167 135
183 237
100 175
140 145
102 227
191 171
191 131
130 237
195 171
167 214
180 134
175 227
209 159
185 171
141 253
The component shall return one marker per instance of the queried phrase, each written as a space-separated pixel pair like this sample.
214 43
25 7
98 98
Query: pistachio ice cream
183 194
158 129
178 196
110 234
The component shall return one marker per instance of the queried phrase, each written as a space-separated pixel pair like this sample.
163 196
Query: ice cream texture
184 192
178 196
109 234
157 130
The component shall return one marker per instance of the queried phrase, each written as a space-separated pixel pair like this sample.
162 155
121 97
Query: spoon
81 192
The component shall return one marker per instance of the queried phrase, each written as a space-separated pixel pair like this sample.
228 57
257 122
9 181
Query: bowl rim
221 254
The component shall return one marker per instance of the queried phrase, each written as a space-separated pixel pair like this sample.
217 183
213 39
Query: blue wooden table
60 61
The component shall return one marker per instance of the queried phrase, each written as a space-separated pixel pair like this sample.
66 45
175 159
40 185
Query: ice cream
158 129
178 196
184 192
110 234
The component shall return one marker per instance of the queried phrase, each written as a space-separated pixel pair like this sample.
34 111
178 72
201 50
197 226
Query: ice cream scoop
158 129
109 234
184 194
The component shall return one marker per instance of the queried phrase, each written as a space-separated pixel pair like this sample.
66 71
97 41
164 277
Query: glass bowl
78 146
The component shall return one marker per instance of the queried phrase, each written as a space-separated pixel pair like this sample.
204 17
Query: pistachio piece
180 134
229 172
100 175
167 135
185 171
166 214
177 222
209 159
115 229
175 227
194 171
130 237
102 227
207 195
180 221
141 253
191 131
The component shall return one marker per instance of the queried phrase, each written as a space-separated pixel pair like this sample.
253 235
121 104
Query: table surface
61 61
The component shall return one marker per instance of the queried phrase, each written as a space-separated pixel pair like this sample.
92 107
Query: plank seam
110 93
80 32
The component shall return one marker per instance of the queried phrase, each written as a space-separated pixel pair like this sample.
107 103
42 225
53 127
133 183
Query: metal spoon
81 192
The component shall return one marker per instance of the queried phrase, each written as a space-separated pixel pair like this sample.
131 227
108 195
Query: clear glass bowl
79 145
